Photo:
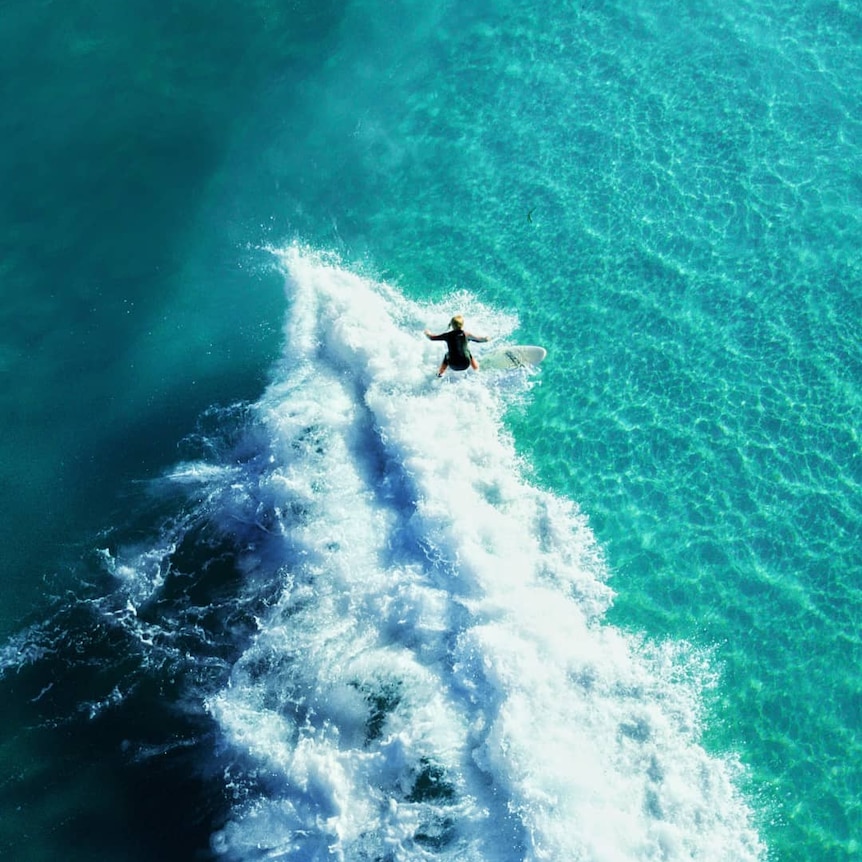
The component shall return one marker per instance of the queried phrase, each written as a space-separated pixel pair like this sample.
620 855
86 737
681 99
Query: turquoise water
665 196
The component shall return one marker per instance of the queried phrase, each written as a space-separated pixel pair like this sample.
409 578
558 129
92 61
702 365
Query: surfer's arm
441 337
481 338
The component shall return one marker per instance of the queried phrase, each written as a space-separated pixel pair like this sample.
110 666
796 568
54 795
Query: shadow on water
115 120
112 754
95 803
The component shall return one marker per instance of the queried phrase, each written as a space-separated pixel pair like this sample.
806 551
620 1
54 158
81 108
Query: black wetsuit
459 355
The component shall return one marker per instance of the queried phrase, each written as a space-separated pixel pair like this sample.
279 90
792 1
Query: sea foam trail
433 679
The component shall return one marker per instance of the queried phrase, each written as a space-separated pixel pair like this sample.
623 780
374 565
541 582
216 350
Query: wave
422 670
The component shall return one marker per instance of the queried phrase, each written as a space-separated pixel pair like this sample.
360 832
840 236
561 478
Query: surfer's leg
474 363
443 366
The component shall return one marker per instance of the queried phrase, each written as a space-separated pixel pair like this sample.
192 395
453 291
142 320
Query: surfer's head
457 322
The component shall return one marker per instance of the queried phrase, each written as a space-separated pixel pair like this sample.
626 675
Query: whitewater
429 675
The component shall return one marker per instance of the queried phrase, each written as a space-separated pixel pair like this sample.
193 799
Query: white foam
435 679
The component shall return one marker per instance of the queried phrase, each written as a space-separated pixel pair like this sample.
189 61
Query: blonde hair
457 322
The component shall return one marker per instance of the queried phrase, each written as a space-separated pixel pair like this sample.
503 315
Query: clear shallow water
691 179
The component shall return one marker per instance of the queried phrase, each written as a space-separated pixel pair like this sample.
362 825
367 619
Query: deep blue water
272 591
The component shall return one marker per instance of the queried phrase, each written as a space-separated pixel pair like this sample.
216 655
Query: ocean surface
271 590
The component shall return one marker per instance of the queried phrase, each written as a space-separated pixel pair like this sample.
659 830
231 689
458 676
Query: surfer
458 356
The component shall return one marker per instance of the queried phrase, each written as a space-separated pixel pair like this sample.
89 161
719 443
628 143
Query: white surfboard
512 356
